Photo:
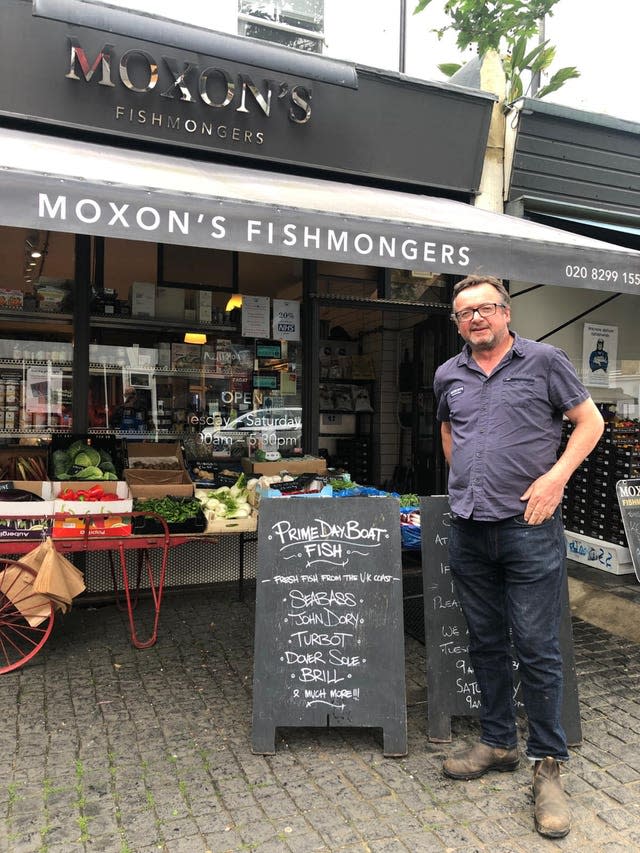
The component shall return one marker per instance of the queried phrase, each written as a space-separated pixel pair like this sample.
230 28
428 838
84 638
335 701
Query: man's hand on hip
542 497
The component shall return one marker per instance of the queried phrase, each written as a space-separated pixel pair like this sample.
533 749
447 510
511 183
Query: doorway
376 410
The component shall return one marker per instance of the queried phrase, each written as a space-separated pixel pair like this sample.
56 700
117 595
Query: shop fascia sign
138 72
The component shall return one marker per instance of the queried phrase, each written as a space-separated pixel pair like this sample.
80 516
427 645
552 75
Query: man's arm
545 493
447 440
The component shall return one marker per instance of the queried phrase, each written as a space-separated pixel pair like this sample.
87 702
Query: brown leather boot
551 807
477 760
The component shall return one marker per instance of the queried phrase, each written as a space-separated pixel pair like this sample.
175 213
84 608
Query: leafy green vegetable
76 448
82 461
171 509
338 484
89 473
61 460
87 458
409 500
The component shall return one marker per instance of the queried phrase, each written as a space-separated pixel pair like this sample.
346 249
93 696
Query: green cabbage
89 473
87 458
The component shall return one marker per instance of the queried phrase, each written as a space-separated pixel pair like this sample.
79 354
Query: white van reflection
267 429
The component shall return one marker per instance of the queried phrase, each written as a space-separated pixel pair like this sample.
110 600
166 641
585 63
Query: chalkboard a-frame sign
452 690
628 492
329 632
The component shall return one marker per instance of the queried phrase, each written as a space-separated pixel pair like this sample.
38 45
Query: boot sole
465 777
551 833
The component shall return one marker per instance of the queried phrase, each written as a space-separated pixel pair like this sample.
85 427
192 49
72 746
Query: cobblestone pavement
107 748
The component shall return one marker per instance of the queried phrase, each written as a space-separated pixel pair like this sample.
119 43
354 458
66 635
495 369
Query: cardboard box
10 455
142 297
161 456
159 484
598 554
204 306
302 465
170 303
233 525
185 355
118 522
13 524
157 481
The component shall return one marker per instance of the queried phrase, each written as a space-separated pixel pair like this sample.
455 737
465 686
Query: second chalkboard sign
628 492
452 689
329 638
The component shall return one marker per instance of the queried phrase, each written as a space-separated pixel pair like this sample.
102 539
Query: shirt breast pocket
518 391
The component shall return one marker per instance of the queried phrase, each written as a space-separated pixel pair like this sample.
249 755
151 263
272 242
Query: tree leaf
544 60
558 80
449 68
517 54
502 25
530 57
516 89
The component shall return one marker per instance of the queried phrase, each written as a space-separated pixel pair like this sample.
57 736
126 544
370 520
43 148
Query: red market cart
27 617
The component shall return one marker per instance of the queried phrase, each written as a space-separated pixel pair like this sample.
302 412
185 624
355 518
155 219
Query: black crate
147 526
413 605
113 446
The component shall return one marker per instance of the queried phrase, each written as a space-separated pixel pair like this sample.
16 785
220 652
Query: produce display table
20 641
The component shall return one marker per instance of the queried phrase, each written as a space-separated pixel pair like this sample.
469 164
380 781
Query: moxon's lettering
628 490
138 71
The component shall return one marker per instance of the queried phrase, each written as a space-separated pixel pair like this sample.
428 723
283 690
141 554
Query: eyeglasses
486 310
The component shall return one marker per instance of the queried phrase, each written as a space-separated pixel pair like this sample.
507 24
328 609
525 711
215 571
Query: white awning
88 188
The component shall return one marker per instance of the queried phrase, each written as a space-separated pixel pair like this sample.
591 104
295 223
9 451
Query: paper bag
57 578
34 558
17 586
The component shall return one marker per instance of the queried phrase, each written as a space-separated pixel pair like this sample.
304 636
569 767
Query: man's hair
475 280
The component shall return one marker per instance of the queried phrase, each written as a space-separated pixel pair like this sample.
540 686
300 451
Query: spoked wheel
26 617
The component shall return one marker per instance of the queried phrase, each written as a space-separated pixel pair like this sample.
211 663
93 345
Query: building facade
151 171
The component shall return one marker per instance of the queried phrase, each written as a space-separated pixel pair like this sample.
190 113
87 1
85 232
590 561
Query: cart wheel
26 617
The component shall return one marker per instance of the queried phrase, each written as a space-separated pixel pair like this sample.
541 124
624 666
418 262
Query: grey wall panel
594 176
577 158
555 149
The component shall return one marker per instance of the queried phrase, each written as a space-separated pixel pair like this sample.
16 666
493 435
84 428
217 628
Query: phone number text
600 274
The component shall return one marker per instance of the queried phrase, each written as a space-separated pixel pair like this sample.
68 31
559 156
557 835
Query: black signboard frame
452 690
628 494
329 637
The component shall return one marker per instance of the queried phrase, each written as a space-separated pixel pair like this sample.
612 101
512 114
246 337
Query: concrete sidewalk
107 748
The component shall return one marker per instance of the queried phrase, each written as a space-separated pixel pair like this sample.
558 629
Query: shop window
292 23
171 360
36 333
397 285
410 286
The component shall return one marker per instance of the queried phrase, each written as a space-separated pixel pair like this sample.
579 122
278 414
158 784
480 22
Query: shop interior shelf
113 322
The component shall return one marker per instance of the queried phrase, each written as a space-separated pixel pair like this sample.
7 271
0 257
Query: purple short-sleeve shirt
506 427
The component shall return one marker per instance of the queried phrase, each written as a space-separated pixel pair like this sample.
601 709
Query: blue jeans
509 574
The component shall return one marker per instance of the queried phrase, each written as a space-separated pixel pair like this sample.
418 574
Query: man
500 404
599 358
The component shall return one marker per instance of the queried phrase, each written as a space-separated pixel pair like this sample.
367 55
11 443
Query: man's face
482 333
